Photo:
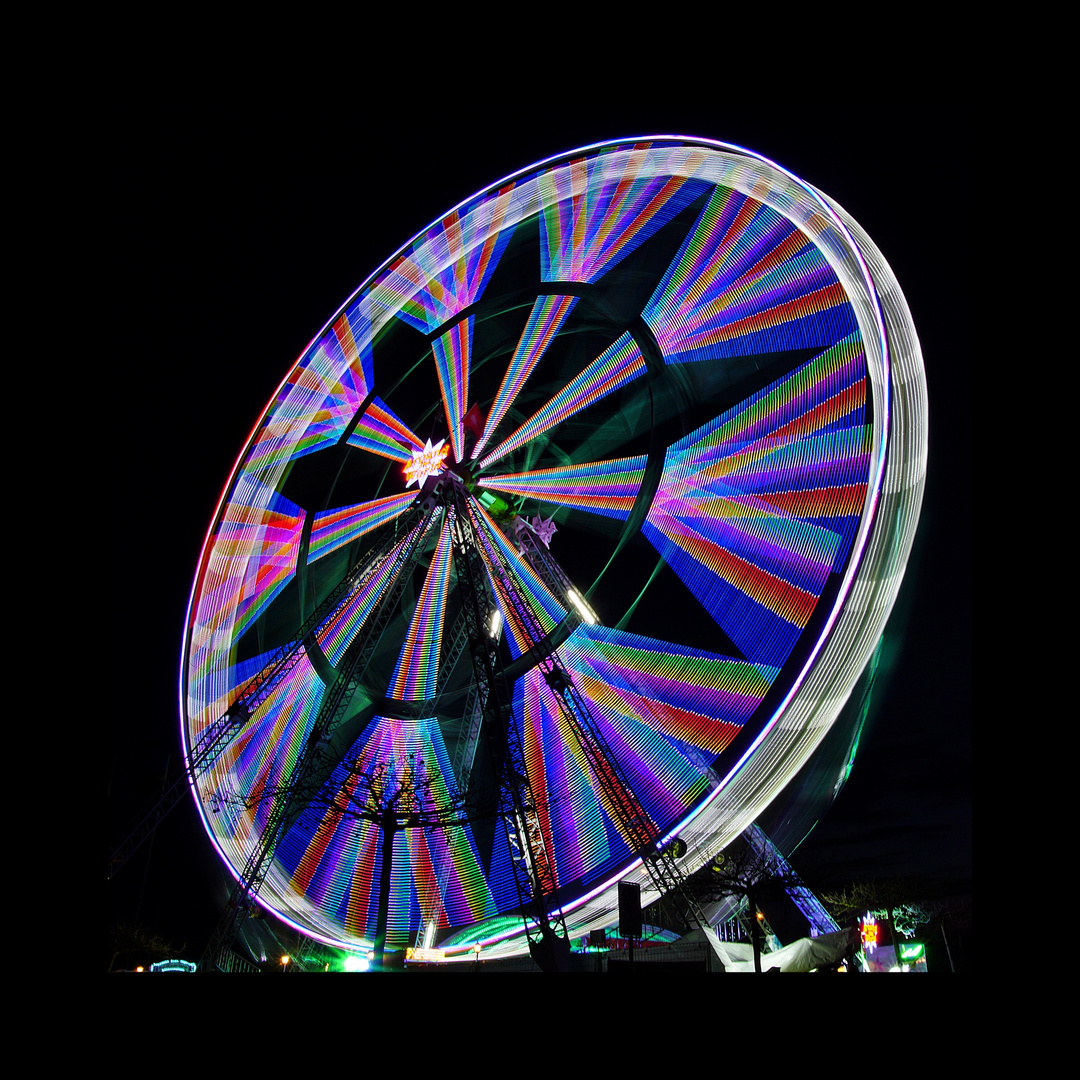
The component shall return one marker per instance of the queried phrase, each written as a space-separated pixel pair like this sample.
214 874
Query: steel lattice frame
680 351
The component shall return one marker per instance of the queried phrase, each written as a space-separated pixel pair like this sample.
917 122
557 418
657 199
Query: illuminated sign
869 932
425 954
426 462
173 965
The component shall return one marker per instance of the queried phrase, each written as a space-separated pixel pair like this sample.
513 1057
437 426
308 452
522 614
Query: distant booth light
185 966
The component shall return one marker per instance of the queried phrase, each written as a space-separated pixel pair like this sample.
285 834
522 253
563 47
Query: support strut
314 763
625 807
220 734
534 873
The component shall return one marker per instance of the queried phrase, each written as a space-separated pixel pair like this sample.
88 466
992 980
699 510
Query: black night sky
239 231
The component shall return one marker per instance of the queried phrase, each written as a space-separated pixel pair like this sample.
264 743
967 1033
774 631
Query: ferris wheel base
551 952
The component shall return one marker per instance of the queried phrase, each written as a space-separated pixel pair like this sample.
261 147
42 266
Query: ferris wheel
558 549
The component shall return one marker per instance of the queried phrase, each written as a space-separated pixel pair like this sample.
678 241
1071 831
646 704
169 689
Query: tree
906 904
399 794
139 945
893 899
395 794
756 874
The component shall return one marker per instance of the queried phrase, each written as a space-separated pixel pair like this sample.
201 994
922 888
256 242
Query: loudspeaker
629 909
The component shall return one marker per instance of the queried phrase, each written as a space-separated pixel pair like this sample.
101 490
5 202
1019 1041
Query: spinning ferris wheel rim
881 414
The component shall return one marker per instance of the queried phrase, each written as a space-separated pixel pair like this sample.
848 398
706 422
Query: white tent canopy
806 954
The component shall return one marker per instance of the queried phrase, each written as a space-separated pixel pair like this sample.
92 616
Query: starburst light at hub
426 462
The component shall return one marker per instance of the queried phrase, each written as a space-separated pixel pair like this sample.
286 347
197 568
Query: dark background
238 231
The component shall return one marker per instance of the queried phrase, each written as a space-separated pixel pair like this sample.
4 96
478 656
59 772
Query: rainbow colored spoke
381 432
253 557
746 281
582 823
662 776
793 455
756 509
615 367
596 212
335 635
333 529
414 678
498 553
258 763
698 700
352 335
451 889
545 319
217 692
318 399
570 811
452 351
434 872
589 832
448 268
601 487
815 482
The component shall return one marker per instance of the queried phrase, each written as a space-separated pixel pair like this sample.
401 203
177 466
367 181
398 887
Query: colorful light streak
547 316
381 432
615 367
448 268
337 633
333 529
256 768
501 558
597 210
601 487
338 865
254 551
314 405
746 281
756 509
418 663
452 352
668 710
